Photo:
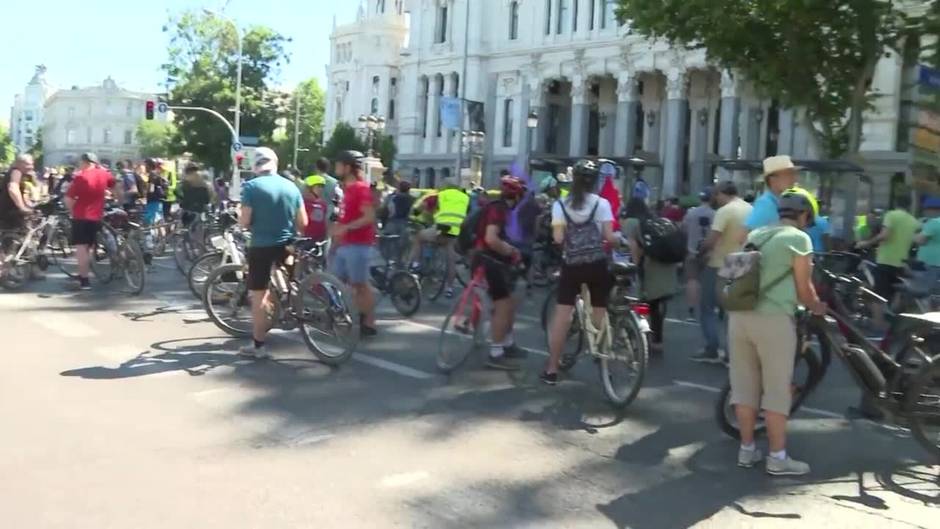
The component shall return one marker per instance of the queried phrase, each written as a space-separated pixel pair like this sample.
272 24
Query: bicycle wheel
102 254
405 292
132 266
574 342
61 251
13 275
463 272
328 318
434 274
622 374
226 300
806 375
544 268
463 332
200 270
922 407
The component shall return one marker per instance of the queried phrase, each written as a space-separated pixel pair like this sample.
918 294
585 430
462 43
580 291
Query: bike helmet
315 180
585 168
564 178
353 158
511 188
795 201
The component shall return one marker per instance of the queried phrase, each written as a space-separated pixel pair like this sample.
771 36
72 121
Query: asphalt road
126 412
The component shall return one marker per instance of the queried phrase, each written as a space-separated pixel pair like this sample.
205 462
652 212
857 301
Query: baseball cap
89 157
705 194
265 161
727 187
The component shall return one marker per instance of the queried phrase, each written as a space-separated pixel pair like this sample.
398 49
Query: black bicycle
391 279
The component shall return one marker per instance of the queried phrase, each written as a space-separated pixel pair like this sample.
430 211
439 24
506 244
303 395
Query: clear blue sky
84 41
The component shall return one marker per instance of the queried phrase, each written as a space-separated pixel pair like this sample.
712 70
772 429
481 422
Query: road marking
681 322
808 409
381 363
404 479
163 266
64 325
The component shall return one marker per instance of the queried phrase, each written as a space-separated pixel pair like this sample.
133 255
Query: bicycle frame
45 227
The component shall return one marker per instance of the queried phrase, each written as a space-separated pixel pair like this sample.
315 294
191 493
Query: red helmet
511 187
430 202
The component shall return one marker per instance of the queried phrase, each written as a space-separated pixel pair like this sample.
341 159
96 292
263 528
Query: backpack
469 229
662 240
583 242
739 278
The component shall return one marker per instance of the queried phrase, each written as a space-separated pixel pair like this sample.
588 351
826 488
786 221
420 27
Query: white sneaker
786 467
749 458
254 352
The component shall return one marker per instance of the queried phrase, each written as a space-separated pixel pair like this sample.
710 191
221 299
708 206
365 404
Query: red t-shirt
316 218
673 213
356 197
88 189
496 213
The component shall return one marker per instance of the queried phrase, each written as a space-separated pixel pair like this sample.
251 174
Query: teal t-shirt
929 252
274 201
778 246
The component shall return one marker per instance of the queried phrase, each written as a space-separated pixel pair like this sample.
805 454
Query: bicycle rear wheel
102 254
922 407
13 275
133 269
622 374
61 251
328 318
434 274
200 270
405 292
226 301
463 332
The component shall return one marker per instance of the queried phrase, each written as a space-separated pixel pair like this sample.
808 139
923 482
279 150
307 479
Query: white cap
265 161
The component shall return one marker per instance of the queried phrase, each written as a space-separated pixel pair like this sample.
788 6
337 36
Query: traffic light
149 112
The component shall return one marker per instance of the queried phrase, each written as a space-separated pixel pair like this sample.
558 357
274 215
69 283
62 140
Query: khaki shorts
762 352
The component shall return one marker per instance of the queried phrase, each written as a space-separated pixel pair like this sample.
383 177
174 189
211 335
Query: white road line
710 389
164 266
681 322
64 325
381 363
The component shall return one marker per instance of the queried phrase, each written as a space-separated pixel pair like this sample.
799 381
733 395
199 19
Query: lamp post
236 174
370 126
473 141
531 123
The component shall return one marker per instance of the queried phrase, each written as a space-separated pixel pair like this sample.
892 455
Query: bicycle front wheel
463 332
922 407
328 318
200 270
434 275
623 371
13 275
103 254
133 268
226 300
405 292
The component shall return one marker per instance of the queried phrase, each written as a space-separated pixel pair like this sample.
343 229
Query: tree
312 108
201 68
158 139
815 55
7 152
386 149
344 138
36 150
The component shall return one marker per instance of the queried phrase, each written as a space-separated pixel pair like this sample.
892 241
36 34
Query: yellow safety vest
172 182
452 207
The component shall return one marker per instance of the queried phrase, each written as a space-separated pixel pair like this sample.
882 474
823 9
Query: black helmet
585 168
353 158
792 203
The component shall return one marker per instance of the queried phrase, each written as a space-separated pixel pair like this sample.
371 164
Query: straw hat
775 164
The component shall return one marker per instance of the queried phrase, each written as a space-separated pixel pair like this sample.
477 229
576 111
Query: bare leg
557 332
83 256
776 430
502 319
747 420
365 301
260 324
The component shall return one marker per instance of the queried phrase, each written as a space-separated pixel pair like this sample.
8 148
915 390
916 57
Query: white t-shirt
603 213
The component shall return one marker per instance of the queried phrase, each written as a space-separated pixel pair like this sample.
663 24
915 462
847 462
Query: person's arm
492 240
612 237
877 239
803 276
244 218
13 188
300 219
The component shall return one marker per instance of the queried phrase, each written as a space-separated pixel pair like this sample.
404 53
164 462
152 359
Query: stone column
580 116
434 110
625 125
676 103
728 139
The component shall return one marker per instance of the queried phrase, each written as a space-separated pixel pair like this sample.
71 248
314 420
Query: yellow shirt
729 222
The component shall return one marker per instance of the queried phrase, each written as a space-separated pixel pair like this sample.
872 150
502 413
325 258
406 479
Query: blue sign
929 77
249 140
162 107
450 112
237 147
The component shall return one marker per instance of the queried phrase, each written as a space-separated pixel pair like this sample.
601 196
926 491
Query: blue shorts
351 263
152 211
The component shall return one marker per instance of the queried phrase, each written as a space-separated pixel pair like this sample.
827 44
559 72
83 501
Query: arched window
374 107
513 20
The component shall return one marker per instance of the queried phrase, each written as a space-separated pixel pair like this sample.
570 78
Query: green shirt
778 246
929 252
897 247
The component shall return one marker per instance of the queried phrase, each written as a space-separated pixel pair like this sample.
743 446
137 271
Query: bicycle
900 376
117 252
228 248
433 265
304 297
391 279
620 343
39 245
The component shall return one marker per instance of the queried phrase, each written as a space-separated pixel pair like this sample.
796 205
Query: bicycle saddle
620 268
305 244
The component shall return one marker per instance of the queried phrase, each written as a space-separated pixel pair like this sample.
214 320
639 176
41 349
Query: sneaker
514 351
749 458
414 268
367 332
786 467
254 352
549 378
706 357
449 293
84 284
501 362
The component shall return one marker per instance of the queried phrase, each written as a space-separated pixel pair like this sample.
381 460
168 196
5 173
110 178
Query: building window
574 16
129 109
426 106
374 106
128 137
507 123
106 138
88 135
339 109
347 86
71 112
407 17
375 84
441 34
71 137
609 13
561 24
391 109
380 6
548 16
591 14
513 20
28 115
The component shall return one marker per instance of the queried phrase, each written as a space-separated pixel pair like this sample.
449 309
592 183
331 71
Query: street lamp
532 123
370 126
236 176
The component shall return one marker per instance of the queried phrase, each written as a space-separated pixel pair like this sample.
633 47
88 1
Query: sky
83 42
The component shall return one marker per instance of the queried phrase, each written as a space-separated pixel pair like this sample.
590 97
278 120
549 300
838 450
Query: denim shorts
152 211
351 263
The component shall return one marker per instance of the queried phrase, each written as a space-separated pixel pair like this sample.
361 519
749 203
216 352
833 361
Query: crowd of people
583 220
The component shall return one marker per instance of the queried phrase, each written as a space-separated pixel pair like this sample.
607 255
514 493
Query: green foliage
201 68
158 139
312 107
344 138
817 55
7 152
386 149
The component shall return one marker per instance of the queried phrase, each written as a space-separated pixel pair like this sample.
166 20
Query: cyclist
582 222
495 255
85 199
194 193
172 183
763 341
354 236
452 206
780 174
156 190
696 225
13 205
272 209
316 207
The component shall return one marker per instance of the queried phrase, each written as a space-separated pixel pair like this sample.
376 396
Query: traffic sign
237 146
162 107
929 77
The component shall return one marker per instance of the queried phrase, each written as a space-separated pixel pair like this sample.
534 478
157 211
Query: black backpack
469 229
662 240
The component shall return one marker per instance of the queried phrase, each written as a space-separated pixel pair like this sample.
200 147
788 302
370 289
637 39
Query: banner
450 112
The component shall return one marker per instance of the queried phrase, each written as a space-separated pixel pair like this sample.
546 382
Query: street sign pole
235 188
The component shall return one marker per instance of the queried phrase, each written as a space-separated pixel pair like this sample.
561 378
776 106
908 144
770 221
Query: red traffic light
149 107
